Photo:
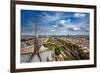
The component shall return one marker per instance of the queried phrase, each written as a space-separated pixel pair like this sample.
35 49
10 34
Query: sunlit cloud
63 22
78 15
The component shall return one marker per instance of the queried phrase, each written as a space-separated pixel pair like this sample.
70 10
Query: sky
54 23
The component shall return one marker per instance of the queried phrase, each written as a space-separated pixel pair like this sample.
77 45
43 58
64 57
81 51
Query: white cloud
63 22
47 17
64 31
54 26
52 30
77 28
77 15
74 28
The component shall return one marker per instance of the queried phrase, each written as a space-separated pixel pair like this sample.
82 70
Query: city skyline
54 23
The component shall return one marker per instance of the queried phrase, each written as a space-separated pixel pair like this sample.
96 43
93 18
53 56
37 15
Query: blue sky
54 23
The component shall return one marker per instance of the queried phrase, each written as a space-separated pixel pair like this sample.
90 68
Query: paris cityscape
48 36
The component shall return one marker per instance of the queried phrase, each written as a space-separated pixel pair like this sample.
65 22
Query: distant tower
68 35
